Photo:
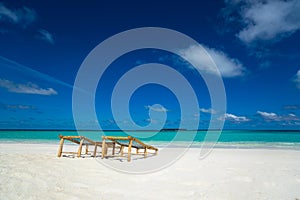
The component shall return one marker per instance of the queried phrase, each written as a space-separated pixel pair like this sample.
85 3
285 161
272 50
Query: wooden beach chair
129 142
116 142
81 141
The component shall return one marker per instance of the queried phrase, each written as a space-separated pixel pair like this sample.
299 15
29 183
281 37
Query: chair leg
95 150
122 150
60 148
129 151
80 148
145 152
103 148
113 150
86 149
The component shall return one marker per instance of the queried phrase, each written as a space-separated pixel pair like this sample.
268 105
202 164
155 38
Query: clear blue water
227 138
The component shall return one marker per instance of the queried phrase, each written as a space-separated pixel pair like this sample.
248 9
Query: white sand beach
33 171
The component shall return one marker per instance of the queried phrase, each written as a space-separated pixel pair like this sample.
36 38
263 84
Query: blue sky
253 43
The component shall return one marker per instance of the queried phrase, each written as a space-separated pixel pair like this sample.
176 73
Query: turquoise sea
228 138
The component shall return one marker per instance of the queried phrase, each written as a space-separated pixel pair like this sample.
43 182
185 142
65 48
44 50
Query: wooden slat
70 137
72 140
143 144
89 140
68 152
115 138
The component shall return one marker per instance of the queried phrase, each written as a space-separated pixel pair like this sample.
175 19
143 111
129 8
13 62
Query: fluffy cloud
28 88
291 107
157 108
21 107
297 79
274 117
264 20
22 16
269 116
234 118
16 107
209 110
227 66
45 35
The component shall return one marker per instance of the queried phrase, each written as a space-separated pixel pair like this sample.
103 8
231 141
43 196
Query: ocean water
228 138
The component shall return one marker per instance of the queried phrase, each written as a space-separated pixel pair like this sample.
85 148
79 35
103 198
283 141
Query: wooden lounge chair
81 141
116 142
129 142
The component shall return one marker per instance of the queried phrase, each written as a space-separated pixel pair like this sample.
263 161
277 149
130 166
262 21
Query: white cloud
292 115
153 121
196 115
269 116
17 106
234 118
45 35
28 88
291 107
7 14
209 110
157 108
297 79
267 19
274 117
22 16
21 107
227 66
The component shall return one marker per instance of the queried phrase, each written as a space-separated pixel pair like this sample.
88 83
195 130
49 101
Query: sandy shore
34 172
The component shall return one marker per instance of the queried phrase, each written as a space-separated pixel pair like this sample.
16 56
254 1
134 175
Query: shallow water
228 138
